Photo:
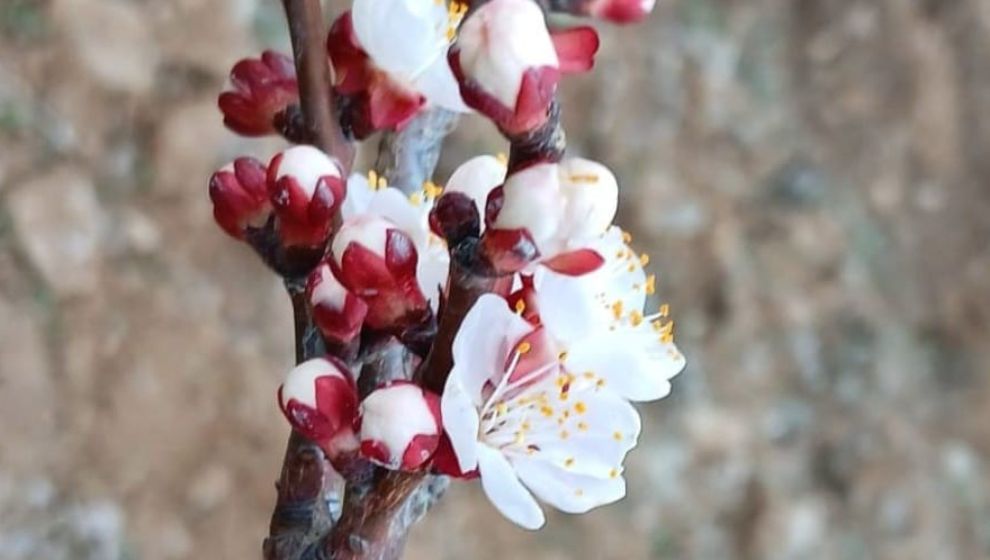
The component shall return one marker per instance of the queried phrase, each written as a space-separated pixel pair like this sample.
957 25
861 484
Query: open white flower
411 215
529 426
590 316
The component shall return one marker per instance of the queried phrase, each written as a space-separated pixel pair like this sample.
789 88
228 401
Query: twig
308 33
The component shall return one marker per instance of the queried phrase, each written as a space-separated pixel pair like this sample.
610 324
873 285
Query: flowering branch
492 328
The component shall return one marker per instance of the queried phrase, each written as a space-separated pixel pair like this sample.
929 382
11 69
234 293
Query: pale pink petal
482 345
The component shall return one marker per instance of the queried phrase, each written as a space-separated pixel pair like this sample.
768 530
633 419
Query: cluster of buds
319 398
301 188
549 338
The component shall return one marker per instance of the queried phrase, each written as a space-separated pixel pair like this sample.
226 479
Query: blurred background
812 179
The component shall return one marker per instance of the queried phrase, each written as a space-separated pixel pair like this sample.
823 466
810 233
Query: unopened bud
377 261
336 311
305 187
262 89
319 399
240 196
400 426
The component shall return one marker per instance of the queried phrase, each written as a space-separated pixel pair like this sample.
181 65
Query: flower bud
459 210
377 261
550 211
508 64
400 426
305 187
505 62
592 196
240 197
262 89
621 11
377 102
319 399
336 311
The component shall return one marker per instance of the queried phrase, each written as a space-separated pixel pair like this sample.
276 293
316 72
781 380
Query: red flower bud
262 89
319 399
240 197
305 187
337 312
377 261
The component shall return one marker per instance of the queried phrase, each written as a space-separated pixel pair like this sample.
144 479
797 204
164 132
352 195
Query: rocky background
812 179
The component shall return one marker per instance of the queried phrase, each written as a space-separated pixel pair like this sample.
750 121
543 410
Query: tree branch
308 33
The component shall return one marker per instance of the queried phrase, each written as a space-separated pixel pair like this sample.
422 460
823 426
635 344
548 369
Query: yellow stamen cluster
432 190
376 182
455 13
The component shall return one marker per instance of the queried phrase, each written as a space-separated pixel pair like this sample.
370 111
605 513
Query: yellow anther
613 473
520 306
564 434
617 309
582 426
501 408
524 347
382 182
626 237
644 259
562 355
651 284
546 411
664 310
432 190
617 436
580 407
589 375
584 178
569 462
600 383
635 318
416 198
372 179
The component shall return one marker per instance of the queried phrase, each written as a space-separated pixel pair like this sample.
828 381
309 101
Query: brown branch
307 484
308 32
469 279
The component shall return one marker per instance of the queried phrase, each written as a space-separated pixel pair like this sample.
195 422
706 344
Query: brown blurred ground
811 177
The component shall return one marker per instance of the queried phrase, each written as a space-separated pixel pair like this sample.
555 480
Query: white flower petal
460 421
477 178
438 84
506 493
592 437
403 37
482 345
432 270
567 491
358 197
629 366
391 204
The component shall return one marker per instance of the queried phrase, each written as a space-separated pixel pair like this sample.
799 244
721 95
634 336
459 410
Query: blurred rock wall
811 179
